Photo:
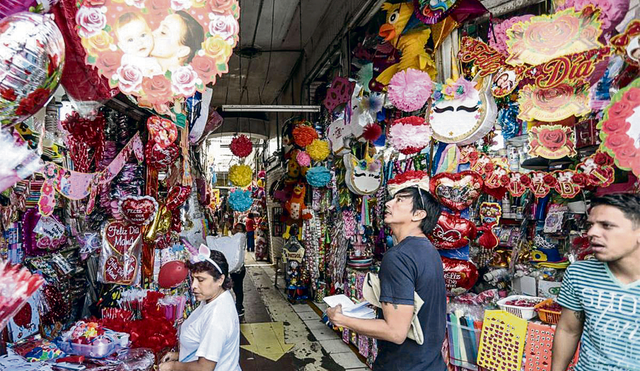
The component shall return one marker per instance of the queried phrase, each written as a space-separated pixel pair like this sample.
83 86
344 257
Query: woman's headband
204 255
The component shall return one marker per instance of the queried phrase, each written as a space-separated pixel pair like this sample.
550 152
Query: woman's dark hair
209 268
628 203
193 36
423 200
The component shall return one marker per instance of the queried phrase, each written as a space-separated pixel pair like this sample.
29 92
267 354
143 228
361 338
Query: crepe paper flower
240 200
372 132
372 103
409 179
318 176
410 89
240 175
410 134
318 150
303 159
241 146
459 89
303 135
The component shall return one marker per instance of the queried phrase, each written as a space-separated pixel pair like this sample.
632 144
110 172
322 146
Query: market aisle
315 346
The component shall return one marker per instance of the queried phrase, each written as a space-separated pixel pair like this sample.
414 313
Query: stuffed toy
297 210
490 213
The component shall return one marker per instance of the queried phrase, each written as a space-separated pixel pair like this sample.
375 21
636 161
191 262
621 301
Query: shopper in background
237 276
227 228
601 298
210 337
413 265
251 231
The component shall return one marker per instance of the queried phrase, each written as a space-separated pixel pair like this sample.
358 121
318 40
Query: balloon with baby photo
159 51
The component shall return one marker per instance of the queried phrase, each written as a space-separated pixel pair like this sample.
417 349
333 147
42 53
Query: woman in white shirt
210 337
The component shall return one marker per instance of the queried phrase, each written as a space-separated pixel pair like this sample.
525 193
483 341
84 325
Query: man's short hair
628 203
423 200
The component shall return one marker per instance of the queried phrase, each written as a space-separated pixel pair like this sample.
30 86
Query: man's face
612 235
399 209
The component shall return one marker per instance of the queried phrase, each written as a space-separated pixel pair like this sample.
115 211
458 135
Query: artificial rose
157 89
129 78
183 81
97 43
225 26
137 3
616 125
217 48
621 109
579 179
93 2
205 67
158 7
550 180
632 96
552 139
617 140
177 5
221 6
90 20
33 102
108 62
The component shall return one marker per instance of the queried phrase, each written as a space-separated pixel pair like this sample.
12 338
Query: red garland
407 176
303 135
372 132
241 146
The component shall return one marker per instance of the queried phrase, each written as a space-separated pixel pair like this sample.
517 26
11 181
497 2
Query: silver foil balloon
9 7
31 62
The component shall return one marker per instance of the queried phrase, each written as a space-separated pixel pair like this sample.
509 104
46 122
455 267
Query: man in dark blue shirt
413 265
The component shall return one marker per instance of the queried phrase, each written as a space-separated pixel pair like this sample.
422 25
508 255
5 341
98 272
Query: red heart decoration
459 275
162 131
117 271
456 191
121 236
138 210
160 158
452 232
177 196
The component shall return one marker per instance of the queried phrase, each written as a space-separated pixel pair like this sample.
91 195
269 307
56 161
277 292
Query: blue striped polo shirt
611 335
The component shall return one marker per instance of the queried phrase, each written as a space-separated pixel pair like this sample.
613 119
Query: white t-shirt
212 331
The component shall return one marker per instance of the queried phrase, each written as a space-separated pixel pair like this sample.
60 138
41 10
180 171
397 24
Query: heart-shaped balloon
121 236
452 232
177 196
139 210
160 158
456 191
459 275
172 274
162 131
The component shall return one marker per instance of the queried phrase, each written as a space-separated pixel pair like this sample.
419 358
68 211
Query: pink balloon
8 7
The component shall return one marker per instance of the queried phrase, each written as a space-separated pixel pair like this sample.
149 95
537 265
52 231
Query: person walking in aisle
251 228
600 298
412 265
237 276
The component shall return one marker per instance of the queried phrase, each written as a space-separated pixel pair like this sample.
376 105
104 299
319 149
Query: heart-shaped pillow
160 158
459 275
138 210
162 131
456 191
452 232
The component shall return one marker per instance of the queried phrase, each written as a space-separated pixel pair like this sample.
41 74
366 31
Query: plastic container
88 350
548 316
526 313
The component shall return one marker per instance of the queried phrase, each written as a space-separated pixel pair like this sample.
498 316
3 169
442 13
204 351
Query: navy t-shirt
414 265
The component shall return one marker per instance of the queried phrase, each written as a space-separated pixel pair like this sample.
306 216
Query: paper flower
459 89
372 132
318 176
303 159
240 200
303 135
241 146
318 150
409 89
410 134
240 175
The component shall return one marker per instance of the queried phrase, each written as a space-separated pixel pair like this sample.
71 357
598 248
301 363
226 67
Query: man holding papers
411 267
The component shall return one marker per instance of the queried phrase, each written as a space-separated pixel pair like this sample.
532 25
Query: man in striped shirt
601 298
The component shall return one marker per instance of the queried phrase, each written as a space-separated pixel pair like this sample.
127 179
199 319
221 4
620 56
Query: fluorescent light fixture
269 108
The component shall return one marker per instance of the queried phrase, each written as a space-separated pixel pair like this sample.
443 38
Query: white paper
349 308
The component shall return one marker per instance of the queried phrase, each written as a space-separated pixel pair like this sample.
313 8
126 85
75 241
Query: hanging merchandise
172 274
31 67
163 132
318 176
240 175
241 146
240 200
120 255
432 12
490 213
410 135
161 158
297 210
456 191
42 234
19 162
303 159
363 177
339 93
304 134
318 150
628 43
409 89
551 141
138 210
452 232
17 285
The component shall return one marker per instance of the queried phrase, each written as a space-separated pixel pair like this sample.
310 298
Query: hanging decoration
620 126
303 159
407 179
172 274
120 255
240 175
318 176
318 150
452 232
410 135
612 12
371 132
161 158
240 200
363 177
130 45
17 285
409 90
84 135
32 56
432 12
138 210
163 132
459 275
304 134
498 38
628 43
456 191
551 141
490 213
339 93
241 146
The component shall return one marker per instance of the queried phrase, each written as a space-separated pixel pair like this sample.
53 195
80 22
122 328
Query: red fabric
250 224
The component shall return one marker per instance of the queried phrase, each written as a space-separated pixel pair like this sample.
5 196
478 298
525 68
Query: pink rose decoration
129 78
91 21
180 4
137 3
225 26
183 81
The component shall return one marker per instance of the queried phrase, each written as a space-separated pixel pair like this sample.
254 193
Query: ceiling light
269 108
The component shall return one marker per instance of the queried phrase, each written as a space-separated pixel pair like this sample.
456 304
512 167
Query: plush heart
452 232
119 271
456 191
160 158
172 274
177 196
138 210
121 236
162 131
459 275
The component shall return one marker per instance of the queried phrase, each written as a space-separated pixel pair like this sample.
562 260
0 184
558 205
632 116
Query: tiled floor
315 346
